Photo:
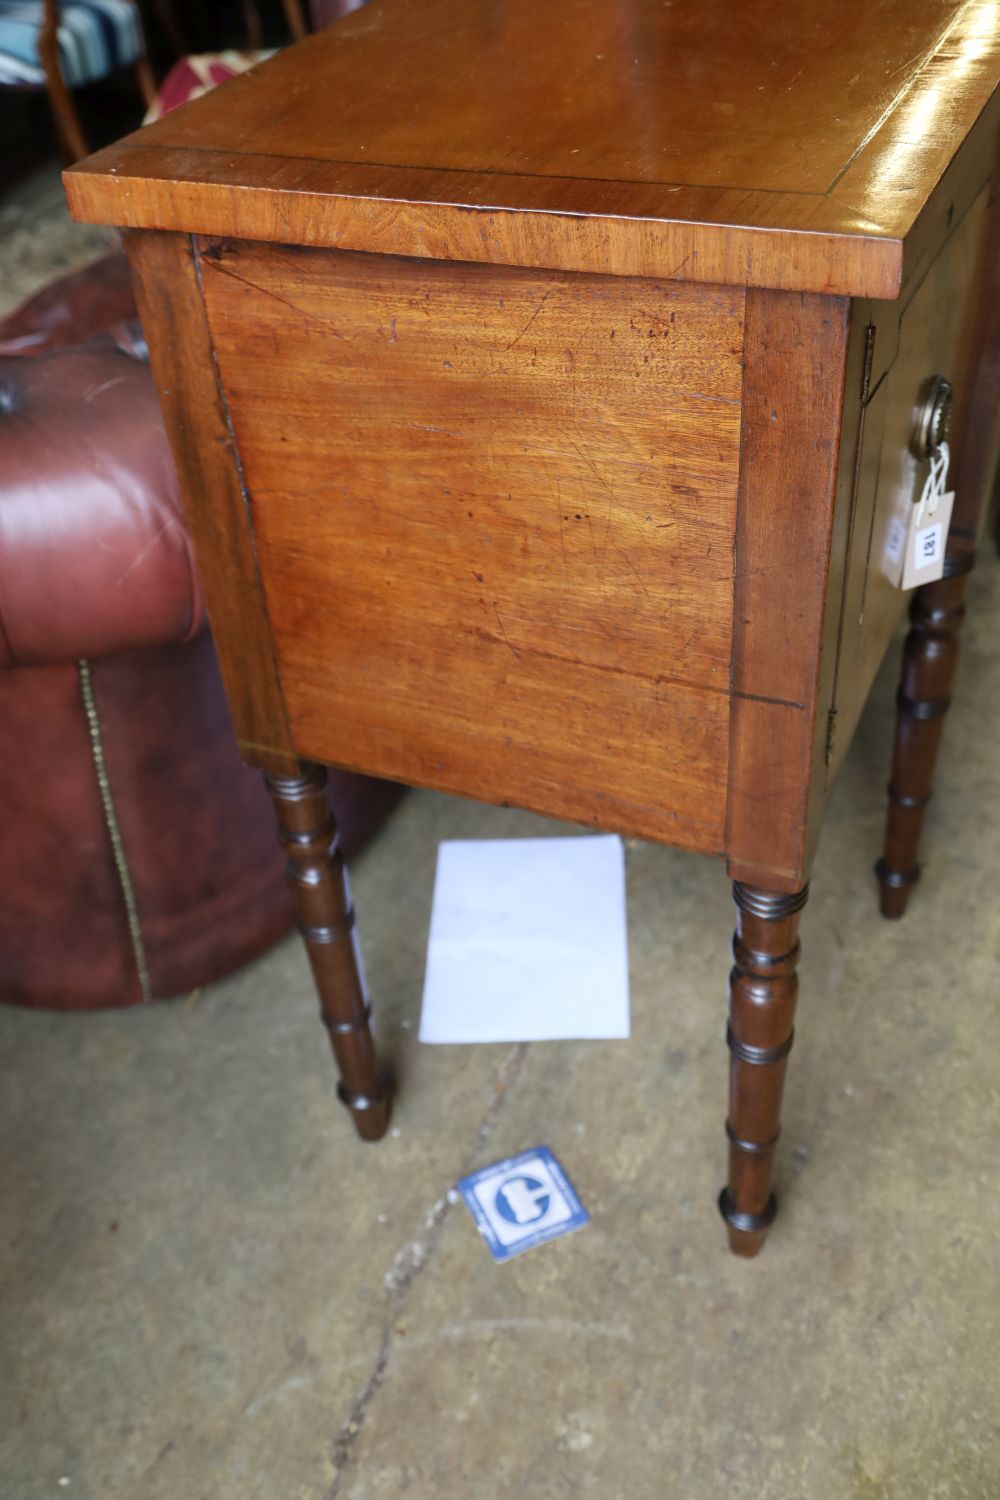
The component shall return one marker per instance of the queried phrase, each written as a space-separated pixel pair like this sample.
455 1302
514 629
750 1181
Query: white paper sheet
527 941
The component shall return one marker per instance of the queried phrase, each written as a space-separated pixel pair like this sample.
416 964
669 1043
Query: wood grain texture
795 364
494 513
183 362
634 139
643 231
906 172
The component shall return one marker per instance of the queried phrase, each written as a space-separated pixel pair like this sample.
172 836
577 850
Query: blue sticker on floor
522 1202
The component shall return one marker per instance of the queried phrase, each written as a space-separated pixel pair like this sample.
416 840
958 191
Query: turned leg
763 987
321 896
71 135
929 659
936 611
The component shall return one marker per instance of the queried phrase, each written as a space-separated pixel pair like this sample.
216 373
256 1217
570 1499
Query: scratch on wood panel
592 466
507 641
718 400
607 526
217 265
593 548
530 445
517 339
559 517
777 702
659 683
639 578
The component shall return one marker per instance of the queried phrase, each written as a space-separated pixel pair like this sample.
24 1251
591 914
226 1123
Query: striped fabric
96 37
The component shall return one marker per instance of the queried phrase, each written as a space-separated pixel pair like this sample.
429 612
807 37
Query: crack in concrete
407 1265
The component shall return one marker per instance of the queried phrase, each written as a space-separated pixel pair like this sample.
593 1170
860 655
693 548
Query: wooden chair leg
71 135
295 19
763 987
929 660
169 26
252 25
147 83
321 896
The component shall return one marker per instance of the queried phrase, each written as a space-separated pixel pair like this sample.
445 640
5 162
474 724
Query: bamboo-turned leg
929 660
931 650
325 916
763 987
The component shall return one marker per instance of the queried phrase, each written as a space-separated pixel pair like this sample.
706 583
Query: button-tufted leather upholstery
94 554
95 563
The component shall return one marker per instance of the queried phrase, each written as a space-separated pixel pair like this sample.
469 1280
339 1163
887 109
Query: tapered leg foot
929 660
321 896
763 987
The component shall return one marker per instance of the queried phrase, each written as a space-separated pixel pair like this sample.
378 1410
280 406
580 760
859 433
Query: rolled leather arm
94 552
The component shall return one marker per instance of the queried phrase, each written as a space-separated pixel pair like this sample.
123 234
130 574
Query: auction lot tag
916 546
925 543
522 1202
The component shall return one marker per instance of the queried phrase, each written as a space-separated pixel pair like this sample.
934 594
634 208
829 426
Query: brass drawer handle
933 417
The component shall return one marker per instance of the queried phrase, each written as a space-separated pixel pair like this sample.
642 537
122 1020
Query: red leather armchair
138 858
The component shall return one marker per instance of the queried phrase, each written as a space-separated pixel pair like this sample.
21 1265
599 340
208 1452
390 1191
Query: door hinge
831 735
866 374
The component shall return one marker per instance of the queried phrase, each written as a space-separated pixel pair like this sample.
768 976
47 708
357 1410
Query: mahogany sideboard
545 382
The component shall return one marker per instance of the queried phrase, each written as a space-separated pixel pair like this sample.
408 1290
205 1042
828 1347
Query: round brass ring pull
933 417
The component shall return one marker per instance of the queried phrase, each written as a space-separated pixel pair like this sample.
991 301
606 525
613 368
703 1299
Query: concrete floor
211 1290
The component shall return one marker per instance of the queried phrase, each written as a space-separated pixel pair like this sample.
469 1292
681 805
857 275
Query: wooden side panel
934 326
180 348
495 513
784 615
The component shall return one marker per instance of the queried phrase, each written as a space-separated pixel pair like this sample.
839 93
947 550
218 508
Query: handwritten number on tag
928 546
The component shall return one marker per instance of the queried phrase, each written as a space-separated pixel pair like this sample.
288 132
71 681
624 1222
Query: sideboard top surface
778 146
